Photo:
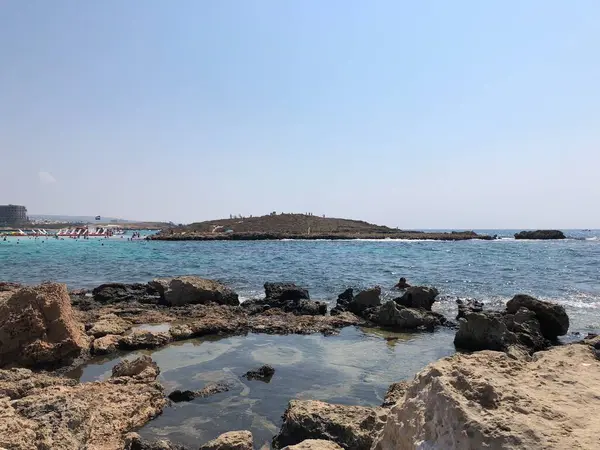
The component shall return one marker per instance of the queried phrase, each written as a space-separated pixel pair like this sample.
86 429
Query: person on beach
402 284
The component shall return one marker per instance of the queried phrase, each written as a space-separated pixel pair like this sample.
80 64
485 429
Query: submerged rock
193 290
234 440
540 234
351 427
263 373
178 396
418 297
314 444
553 318
38 328
490 400
123 292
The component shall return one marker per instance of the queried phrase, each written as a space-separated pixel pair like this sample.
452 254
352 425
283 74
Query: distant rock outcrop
540 234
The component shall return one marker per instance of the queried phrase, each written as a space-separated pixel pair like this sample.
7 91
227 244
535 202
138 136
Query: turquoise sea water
566 271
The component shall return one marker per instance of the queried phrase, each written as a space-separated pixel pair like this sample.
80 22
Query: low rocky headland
511 384
298 227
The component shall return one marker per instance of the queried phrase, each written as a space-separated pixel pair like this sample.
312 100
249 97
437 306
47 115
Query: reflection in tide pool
355 367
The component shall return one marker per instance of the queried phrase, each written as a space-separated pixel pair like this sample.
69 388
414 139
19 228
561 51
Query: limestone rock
38 328
540 234
418 297
393 315
490 400
553 318
134 441
395 393
122 292
193 290
314 444
142 368
351 427
234 440
108 324
17 383
144 339
106 344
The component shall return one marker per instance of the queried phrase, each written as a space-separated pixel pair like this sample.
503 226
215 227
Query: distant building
13 215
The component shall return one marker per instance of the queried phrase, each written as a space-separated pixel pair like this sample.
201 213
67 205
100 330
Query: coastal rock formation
490 400
468 306
540 234
38 328
363 304
288 297
142 368
122 292
553 318
108 324
144 339
314 444
134 441
105 345
351 427
234 440
394 315
285 291
263 373
178 396
46 412
418 297
193 290
395 393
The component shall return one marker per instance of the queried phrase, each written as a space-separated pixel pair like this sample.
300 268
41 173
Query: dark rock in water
263 373
526 327
178 396
191 290
470 306
483 331
342 302
121 292
361 304
181 396
78 292
285 291
351 427
393 315
134 441
394 393
418 297
540 234
553 318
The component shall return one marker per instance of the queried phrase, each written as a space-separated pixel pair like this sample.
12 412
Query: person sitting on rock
402 284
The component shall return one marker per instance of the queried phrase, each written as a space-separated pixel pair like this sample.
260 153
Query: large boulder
363 304
122 292
418 297
289 298
233 440
314 444
193 290
393 315
48 412
553 318
488 400
38 328
285 291
540 234
351 427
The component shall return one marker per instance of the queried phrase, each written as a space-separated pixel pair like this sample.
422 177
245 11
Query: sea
354 367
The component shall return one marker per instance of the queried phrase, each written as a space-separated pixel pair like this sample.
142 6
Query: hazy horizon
437 115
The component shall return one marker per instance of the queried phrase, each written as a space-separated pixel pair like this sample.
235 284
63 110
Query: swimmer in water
402 284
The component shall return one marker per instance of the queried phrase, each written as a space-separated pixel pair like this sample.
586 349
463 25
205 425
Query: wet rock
234 440
134 441
393 315
525 325
553 318
368 298
193 290
181 332
342 302
106 344
468 306
483 331
178 396
274 321
395 393
38 328
351 427
314 444
142 368
285 291
418 297
540 234
144 339
64 415
108 324
263 373
297 307
122 292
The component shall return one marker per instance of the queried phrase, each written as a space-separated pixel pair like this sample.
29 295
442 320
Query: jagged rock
263 373
368 298
38 328
144 339
106 344
178 396
540 234
483 331
395 393
490 400
418 297
393 315
193 290
314 444
525 325
285 291
62 414
108 324
122 292
342 302
234 440
134 441
553 318
466 307
142 368
351 427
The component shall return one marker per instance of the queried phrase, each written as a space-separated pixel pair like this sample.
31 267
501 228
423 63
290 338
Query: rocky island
298 226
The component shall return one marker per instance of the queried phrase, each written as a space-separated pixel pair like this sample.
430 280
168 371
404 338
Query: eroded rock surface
351 427
144 339
142 368
314 444
263 373
553 318
193 290
288 298
108 324
38 328
233 440
395 393
178 396
392 314
123 292
418 297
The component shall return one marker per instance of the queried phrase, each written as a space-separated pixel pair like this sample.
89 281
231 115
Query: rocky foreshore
516 390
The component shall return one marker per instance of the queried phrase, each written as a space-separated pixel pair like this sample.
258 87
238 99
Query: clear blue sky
412 114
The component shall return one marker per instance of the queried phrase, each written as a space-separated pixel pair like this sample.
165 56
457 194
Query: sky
433 114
